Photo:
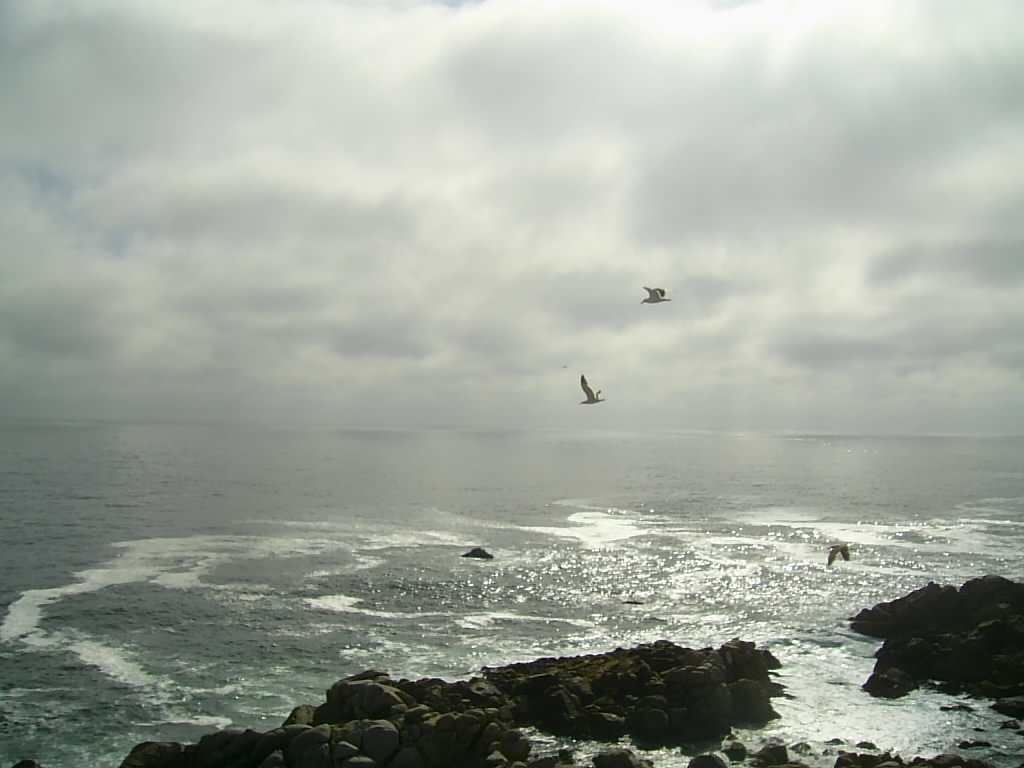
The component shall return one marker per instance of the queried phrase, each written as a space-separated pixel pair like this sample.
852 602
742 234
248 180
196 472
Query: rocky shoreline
652 696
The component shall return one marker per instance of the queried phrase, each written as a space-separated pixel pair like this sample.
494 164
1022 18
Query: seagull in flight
837 550
591 397
654 296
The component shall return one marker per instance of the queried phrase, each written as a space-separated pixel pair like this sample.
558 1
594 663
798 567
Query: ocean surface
158 582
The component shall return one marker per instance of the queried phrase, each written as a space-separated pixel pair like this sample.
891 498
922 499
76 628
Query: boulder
969 639
707 760
155 754
480 553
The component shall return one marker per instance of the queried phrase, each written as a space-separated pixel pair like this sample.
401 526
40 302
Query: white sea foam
595 529
117 663
348 604
490 618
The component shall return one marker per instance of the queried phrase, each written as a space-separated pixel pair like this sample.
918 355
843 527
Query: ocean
162 581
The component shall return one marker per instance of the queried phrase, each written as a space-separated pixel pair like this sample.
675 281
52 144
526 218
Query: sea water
159 582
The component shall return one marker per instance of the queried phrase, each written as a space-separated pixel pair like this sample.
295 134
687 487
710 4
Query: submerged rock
480 553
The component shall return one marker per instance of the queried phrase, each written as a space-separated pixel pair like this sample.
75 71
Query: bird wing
652 293
832 554
661 292
586 387
845 552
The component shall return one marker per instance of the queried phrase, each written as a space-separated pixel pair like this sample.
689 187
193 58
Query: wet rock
707 760
890 683
736 751
968 639
619 758
155 754
479 552
772 754
658 694
1011 706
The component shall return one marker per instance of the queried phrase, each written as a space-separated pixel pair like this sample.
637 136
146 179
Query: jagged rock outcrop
971 638
659 694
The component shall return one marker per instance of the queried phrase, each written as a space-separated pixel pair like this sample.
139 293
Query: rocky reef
657 694
968 639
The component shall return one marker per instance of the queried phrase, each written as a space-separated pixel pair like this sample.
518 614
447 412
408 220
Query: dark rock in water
619 758
890 683
735 751
479 552
707 760
772 754
1012 706
968 639
661 693
154 754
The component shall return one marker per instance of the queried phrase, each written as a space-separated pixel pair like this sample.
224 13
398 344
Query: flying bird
654 296
837 550
591 397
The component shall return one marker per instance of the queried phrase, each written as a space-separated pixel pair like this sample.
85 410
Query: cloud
410 213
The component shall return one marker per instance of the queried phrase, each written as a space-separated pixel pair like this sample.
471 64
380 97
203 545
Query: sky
427 214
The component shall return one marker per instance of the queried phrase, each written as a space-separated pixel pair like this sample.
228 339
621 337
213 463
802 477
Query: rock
707 760
380 740
736 751
479 552
890 683
1012 706
274 760
310 739
772 754
155 754
619 758
974 744
303 714
968 639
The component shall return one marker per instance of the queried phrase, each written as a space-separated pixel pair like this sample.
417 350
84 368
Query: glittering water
159 581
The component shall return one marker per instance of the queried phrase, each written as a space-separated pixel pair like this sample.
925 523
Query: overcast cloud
421 213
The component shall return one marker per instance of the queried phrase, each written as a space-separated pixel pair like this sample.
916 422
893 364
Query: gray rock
618 758
316 756
359 761
311 737
1011 706
343 750
494 760
772 754
407 757
274 760
707 760
278 738
380 740
736 751
515 746
154 754
303 714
